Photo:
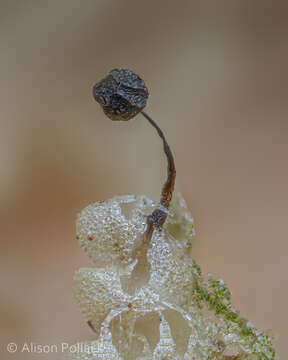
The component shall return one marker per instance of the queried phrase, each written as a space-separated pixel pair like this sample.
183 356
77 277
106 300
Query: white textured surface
139 277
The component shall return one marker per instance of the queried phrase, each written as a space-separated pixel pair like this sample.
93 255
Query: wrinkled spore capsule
122 94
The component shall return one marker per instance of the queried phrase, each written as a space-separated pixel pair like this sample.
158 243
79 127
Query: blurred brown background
217 74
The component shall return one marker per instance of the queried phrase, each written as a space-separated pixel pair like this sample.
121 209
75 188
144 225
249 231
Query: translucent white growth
99 349
166 348
136 278
110 231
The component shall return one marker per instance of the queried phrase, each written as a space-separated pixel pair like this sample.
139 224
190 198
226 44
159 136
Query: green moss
214 295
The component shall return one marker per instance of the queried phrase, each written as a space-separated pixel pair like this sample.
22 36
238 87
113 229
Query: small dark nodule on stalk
122 95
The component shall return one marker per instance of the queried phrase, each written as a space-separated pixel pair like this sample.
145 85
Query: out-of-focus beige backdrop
217 74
